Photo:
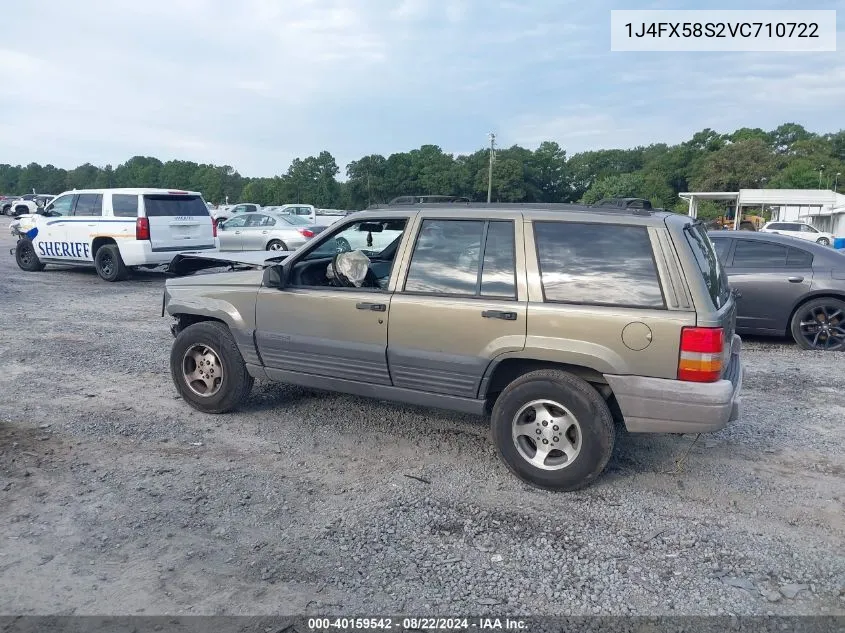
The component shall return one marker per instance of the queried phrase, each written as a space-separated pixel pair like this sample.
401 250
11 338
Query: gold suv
554 320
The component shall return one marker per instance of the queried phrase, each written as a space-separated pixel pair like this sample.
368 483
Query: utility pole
490 169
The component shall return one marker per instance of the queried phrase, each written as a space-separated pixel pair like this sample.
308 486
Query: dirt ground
117 498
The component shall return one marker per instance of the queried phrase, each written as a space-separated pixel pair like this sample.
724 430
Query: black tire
26 257
109 263
823 241
597 432
7 210
235 383
815 315
276 245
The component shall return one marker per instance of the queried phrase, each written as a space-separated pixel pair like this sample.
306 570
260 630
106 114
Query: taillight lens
142 229
701 354
306 232
213 227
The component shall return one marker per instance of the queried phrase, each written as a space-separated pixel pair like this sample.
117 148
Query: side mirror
275 276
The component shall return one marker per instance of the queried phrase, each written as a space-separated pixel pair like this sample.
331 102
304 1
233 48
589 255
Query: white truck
321 217
114 230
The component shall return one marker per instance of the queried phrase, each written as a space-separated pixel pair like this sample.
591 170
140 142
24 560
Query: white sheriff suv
114 230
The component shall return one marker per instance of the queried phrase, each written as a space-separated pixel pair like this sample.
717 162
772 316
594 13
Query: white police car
115 230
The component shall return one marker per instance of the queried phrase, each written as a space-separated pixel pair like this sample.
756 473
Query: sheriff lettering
77 250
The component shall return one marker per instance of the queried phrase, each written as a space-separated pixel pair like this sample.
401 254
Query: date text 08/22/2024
415 623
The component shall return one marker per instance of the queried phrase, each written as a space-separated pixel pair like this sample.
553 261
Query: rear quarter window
597 264
158 205
708 264
124 205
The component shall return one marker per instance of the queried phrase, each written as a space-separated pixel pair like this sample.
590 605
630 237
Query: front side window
754 254
464 257
368 236
61 205
124 205
89 204
597 264
806 228
235 223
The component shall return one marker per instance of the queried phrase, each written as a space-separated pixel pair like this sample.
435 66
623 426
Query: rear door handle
375 307
498 314
795 280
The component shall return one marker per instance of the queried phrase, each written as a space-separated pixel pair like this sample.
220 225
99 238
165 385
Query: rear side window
709 264
754 254
464 257
158 206
797 257
89 204
124 205
597 264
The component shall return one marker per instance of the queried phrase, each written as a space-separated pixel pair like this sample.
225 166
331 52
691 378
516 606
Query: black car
785 286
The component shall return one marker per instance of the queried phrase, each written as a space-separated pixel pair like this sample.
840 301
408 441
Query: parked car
801 230
552 320
225 212
786 287
114 230
323 217
27 203
265 231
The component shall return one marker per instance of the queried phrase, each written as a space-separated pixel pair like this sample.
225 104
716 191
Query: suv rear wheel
553 430
207 368
109 263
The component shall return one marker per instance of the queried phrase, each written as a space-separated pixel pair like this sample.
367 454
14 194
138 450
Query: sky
256 83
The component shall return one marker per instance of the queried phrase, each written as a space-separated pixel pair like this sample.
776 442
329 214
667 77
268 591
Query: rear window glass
597 264
174 205
124 205
708 264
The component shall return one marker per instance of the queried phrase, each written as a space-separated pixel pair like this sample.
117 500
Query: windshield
708 263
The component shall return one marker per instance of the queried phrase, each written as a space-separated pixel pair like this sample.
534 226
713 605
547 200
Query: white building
824 209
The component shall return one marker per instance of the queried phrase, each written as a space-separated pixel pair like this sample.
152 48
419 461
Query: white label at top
723 30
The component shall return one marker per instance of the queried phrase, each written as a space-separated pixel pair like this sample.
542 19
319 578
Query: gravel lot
117 498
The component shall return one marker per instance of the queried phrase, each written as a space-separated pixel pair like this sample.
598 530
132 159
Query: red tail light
306 232
213 227
142 229
701 354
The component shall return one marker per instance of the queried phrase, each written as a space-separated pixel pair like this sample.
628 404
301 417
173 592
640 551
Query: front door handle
795 280
375 307
498 314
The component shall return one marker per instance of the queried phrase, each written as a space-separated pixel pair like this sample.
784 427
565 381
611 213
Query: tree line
787 157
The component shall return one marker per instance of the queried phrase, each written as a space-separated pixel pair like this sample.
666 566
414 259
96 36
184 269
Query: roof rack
539 206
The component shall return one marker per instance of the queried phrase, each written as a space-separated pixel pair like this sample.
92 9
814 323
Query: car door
85 225
255 233
460 303
312 328
769 279
230 233
52 231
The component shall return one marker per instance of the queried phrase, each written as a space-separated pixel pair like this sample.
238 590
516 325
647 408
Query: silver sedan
265 231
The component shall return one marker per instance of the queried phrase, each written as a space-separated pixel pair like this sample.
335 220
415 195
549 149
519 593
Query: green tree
631 185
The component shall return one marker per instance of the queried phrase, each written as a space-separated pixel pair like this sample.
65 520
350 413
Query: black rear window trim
664 307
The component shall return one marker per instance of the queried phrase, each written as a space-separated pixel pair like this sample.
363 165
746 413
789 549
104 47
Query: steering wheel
339 280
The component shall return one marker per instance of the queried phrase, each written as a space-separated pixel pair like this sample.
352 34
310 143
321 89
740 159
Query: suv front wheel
553 430
208 369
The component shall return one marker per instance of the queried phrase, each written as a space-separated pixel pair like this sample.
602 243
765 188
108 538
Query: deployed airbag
349 267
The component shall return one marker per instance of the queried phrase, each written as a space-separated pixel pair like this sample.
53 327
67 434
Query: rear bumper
141 253
657 405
